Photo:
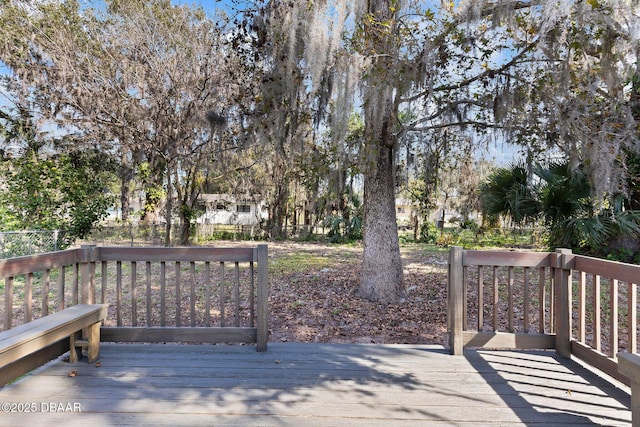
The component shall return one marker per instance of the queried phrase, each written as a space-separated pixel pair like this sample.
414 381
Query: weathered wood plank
11 267
598 360
179 334
20 367
31 337
319 385
609 269
157 254
503 340
508 258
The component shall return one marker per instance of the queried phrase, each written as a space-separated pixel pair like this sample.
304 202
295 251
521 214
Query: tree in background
49 184
146 80
138 81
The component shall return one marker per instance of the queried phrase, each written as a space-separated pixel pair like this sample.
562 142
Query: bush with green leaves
67 192
560 196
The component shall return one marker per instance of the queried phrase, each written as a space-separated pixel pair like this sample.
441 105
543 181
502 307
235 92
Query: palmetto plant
573 217
508 192
561 197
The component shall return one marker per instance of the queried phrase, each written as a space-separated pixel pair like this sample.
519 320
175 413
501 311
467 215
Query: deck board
317 385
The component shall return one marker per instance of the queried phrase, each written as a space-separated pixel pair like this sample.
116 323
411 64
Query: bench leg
93 336
75 352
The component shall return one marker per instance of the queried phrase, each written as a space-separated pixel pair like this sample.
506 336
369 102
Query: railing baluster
8 303
192 297
46 283
542 292
75 292
510 298
148 296
163 289
119 293
178 296
495 299
632 330
134 295
252 290
465 312
582 303
104 279
207 301
28 296
613 317
222 322
527 301
92 282
552 303
61 288
237 294
596 313
480 298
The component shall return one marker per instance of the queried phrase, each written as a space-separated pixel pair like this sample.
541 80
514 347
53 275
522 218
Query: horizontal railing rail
154 294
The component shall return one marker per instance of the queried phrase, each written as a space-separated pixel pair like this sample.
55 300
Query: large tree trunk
278 206
381 264
125 194
185 230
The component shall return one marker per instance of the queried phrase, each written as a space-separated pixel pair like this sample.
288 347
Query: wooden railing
155 294
510 304
580 306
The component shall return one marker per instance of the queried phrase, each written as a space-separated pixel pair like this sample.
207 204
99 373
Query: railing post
455 310
563 302
87 260
262 321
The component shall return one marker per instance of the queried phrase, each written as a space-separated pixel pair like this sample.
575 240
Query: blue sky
209 5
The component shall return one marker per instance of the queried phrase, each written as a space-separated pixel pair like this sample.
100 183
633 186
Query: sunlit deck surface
315 385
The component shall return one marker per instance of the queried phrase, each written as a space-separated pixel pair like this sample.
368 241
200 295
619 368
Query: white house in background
405 211
231 210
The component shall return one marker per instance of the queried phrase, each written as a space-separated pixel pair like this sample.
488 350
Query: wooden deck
313 385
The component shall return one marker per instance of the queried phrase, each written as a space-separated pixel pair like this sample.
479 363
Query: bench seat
28 338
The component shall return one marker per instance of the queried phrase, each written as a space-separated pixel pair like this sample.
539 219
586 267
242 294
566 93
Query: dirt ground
318 301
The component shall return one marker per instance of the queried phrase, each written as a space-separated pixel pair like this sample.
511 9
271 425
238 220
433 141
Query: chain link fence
21 243
132 234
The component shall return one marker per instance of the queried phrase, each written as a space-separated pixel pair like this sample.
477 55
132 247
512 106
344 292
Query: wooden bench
29 338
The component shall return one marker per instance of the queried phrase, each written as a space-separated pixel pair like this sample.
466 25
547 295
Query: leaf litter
321 303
